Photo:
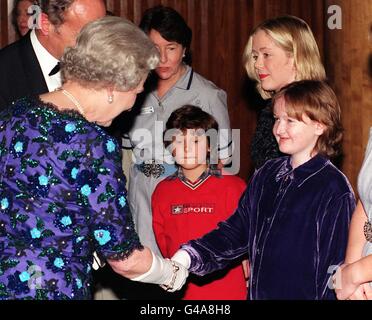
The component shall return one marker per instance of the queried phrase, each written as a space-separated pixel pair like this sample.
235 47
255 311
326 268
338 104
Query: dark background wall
221 29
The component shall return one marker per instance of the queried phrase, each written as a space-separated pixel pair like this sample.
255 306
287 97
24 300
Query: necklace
74 101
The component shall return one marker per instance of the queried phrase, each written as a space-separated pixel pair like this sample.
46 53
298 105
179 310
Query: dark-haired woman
173 85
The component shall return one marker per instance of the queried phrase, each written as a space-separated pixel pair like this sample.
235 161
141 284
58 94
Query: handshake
170 274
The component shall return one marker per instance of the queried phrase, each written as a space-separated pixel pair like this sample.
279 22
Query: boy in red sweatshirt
192 201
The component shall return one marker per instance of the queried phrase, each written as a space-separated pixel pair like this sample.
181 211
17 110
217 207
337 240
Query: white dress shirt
47 62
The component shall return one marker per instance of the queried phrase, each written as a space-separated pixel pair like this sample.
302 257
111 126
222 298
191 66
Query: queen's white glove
182 257
97 263
170 275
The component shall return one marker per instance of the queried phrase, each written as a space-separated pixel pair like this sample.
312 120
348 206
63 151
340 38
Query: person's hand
246 269
364 292
178 279
344 284
358 294
220 164
367 290
170 275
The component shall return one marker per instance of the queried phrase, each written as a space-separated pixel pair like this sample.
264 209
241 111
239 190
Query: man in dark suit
29 66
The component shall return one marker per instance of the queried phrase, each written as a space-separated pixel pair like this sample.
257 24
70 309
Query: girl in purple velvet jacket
294 216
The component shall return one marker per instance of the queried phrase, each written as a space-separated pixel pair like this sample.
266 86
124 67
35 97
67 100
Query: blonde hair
318 101
110 51
295 37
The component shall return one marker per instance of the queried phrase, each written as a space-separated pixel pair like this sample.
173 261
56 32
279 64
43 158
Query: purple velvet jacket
292 223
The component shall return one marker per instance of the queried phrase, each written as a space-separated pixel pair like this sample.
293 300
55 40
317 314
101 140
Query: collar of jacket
185 81
304 171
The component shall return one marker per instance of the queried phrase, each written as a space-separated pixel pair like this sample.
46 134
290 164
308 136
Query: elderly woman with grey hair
62 190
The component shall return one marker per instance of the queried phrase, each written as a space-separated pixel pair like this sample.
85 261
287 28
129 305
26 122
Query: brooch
152 169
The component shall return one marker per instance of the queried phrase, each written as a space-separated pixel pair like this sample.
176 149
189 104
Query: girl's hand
344 284
246 269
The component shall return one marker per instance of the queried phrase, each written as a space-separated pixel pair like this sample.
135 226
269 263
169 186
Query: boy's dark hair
317 100
191 117
171 26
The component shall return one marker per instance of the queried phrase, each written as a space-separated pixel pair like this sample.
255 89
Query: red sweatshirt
183 212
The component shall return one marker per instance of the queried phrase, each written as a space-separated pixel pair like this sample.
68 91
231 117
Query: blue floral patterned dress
62 197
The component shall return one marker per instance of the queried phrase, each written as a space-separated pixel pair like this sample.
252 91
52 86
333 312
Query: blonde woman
279 51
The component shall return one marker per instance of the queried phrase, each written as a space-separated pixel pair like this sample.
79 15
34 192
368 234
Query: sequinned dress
62 197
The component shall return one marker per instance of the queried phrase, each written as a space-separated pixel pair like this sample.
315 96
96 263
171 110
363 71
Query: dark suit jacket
20 72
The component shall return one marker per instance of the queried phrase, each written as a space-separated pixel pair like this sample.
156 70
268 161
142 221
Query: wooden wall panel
348 55
4 23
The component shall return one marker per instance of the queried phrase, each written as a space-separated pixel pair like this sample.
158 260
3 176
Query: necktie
55 69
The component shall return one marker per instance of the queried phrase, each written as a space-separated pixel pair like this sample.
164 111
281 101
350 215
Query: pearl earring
110 99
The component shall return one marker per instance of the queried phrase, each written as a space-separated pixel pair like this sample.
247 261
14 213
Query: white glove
170 275
182 257
97 263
